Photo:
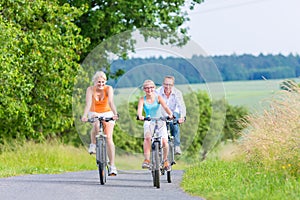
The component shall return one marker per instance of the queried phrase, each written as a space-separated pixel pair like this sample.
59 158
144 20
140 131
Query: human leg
93 133
175 132
147 145
108 130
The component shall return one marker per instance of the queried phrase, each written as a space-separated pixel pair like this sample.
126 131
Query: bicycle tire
169 177
156 162
102 173
171 155
101 160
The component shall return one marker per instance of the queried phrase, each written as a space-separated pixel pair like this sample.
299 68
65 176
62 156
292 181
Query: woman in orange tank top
99 102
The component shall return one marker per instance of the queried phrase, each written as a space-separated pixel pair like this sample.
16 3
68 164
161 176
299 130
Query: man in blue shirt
174 100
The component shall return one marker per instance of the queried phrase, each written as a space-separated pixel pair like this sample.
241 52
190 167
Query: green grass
53 158
49 158
216 179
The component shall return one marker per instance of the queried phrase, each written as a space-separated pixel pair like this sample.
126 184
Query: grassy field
251 94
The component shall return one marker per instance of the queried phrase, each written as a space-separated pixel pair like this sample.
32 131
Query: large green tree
39 53
108 18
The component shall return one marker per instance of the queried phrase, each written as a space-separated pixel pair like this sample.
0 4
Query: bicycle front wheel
101 159
169 177
156 165
102 173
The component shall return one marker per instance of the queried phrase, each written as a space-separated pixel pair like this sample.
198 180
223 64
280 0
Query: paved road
131 185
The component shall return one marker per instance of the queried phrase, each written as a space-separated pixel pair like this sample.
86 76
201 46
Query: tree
40 50
107 18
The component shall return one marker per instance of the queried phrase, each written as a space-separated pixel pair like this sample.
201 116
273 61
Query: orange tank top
100 106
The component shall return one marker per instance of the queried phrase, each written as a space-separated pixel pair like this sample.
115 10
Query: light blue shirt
152 109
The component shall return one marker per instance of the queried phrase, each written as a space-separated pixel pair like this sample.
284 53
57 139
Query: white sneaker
177 150
92 149
113 171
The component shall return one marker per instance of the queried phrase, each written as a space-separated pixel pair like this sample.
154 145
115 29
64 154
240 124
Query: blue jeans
175 131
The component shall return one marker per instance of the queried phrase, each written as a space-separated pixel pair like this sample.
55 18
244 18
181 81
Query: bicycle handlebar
155 118
166 119
107 119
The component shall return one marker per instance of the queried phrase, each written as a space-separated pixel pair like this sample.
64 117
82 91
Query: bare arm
140 108
111 102
182 108
88 103
164 105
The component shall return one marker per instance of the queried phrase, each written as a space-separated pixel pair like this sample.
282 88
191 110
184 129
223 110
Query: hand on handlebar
84 119
181 120
140 118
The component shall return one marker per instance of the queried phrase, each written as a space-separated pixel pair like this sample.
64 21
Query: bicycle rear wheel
171 156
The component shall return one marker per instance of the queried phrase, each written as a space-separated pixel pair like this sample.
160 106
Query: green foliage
108 18
40 48
202 131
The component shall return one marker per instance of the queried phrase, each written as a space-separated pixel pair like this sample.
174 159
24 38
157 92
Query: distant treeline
231 68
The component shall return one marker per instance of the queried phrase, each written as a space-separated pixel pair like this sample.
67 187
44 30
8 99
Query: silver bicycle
101 149
156 159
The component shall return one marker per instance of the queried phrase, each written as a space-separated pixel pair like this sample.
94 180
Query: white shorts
149 128
105 114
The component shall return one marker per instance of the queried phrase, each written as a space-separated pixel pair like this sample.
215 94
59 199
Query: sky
226 27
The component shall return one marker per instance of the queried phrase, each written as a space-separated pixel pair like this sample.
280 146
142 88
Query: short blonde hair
99 74
148 82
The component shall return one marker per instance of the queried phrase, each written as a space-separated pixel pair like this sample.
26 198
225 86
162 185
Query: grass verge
54 157
217 179
50 158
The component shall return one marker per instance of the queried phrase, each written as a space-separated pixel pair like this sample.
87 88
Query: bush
200 131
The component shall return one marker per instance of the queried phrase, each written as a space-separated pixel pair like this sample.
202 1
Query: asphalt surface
131 185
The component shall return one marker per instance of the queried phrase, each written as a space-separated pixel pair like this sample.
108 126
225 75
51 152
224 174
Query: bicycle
157 162
171 154
101 151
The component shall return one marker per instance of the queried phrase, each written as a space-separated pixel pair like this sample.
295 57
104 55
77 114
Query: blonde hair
99 74
147 82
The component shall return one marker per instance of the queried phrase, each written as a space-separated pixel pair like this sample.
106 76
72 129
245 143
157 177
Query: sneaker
146 164
167 165
177 150
92 149
113 171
